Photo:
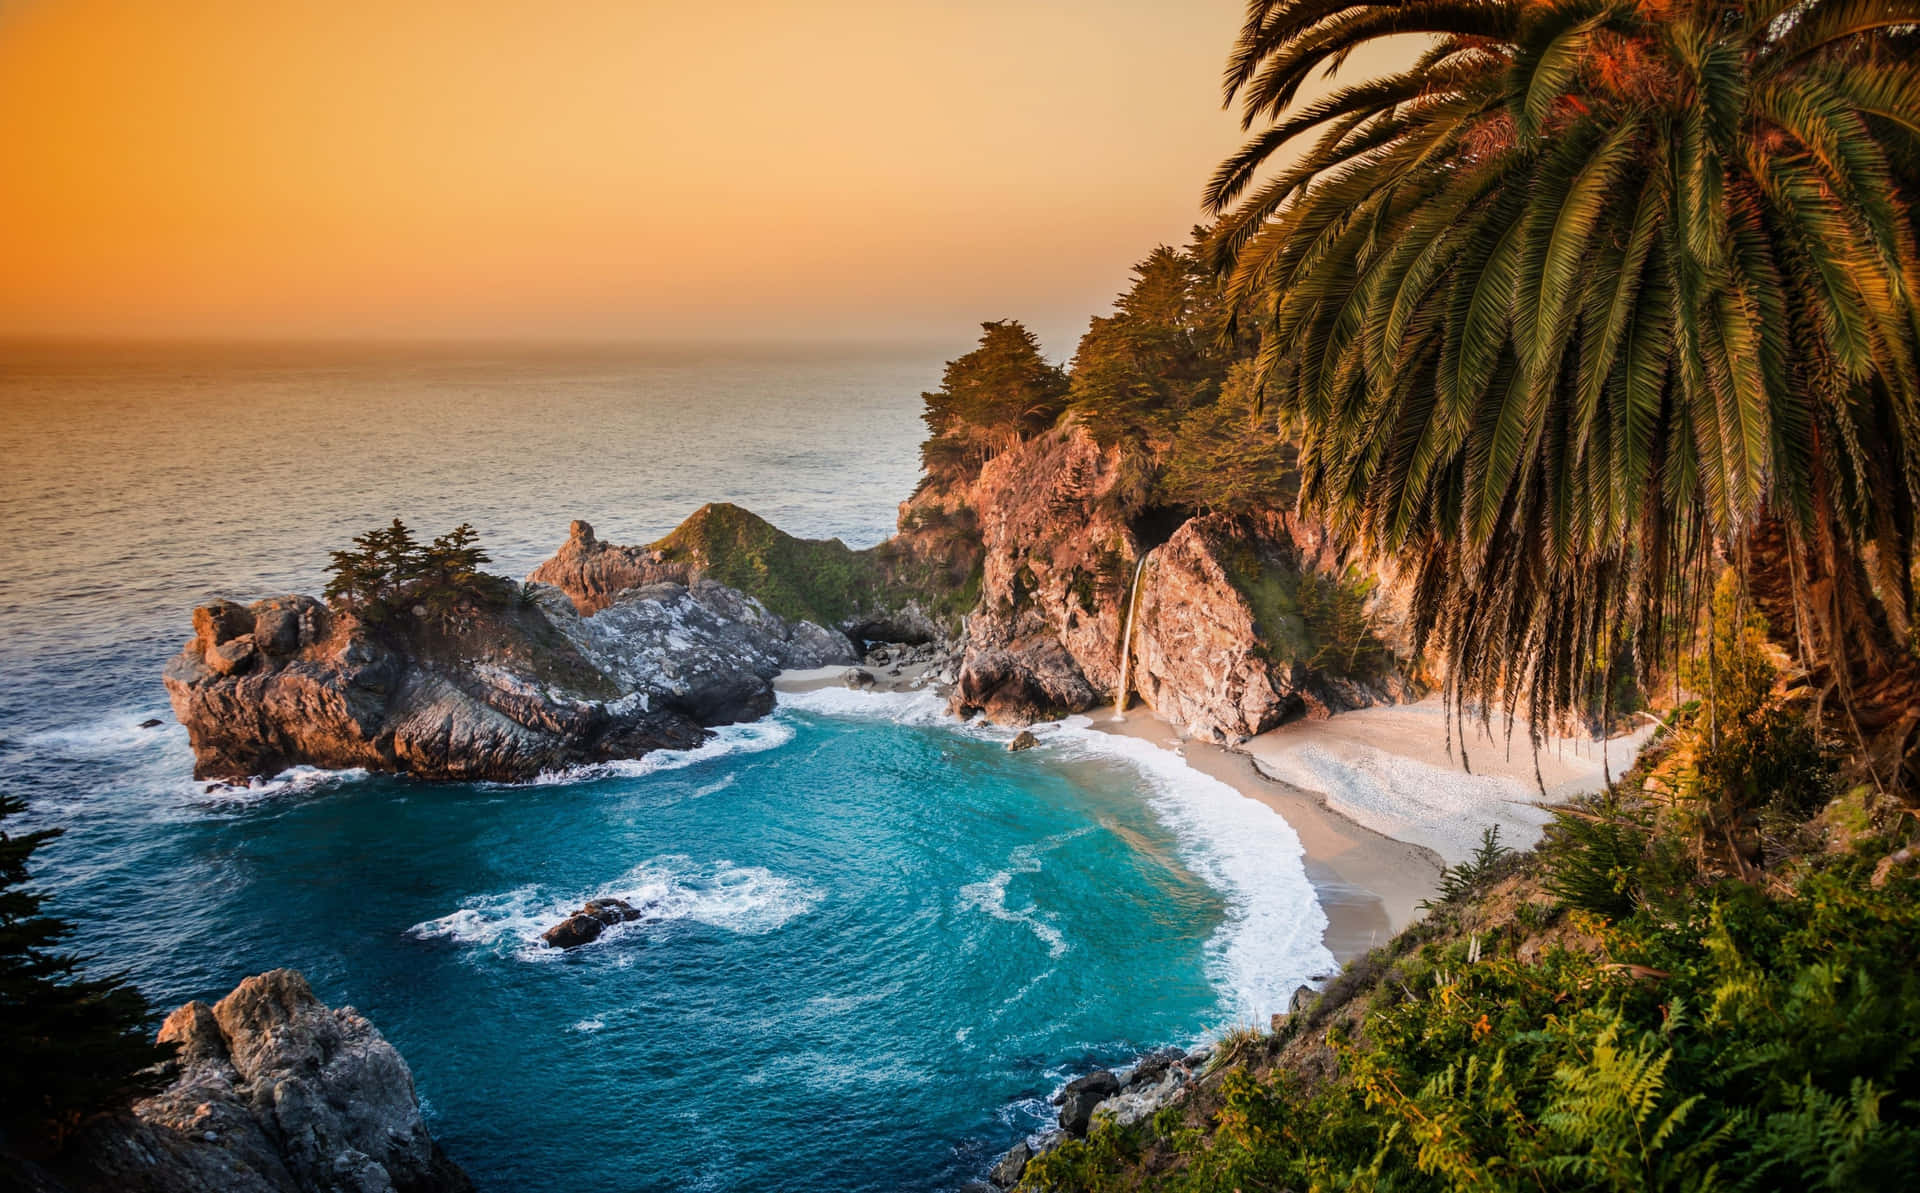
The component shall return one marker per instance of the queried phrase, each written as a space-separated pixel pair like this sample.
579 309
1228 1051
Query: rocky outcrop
1238 623
273 1092
881 594
1055 518
595 574
1244 623
512 683
586 925
1124 1097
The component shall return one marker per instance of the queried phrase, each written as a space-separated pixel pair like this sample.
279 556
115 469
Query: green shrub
1595 857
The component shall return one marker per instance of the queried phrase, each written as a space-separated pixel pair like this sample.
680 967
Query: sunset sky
595 169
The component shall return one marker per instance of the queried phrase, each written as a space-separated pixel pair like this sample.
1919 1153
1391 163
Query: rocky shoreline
504 690
272 1091
1226 626
1125 1096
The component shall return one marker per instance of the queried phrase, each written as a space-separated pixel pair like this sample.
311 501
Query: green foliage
1731 1041
818 580
988 400
1586 294
1307 617
1232 455
1456 882
1594 857
388 569
69 1045
1157 357
1758 757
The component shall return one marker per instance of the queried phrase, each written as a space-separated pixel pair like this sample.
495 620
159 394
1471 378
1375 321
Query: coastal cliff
512 682
1237 622
272 1092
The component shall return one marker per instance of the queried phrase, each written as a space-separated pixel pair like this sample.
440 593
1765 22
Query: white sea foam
112 733
1445 810
1273 937
748 738
296 780
588 1026
990 894
901 708
745 899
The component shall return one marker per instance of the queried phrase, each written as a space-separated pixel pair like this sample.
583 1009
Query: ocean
885 941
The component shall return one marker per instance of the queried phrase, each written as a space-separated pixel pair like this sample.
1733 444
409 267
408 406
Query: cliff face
1239 623
1244 623
274 1093
1044 639
502 689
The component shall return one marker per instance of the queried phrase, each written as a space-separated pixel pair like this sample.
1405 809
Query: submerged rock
274 1092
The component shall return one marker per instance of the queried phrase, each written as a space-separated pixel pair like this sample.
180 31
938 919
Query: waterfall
1126 639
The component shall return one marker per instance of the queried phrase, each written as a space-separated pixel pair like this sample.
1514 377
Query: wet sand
1369 884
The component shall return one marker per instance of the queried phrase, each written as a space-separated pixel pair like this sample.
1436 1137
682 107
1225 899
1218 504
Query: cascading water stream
1126 638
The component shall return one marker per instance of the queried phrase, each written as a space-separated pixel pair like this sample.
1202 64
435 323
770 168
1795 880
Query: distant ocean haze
141 480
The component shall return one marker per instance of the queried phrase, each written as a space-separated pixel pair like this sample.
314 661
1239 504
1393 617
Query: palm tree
1589 295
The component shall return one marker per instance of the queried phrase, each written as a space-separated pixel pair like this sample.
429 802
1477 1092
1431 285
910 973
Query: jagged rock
1078 1099
586 925
594 574
858 678
1303 999
274 1092
150 723
1208 660
1152 1067
1023 740
518 685
1055 520
1008 1169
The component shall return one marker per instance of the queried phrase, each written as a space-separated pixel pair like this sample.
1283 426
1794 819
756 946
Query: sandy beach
1379 803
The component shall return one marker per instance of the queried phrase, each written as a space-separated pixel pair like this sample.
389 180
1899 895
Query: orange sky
626 169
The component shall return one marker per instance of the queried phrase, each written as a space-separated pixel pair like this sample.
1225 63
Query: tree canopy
388 567
1588 295
994 396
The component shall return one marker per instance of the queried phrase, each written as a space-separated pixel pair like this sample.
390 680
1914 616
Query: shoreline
1380 807
1368 883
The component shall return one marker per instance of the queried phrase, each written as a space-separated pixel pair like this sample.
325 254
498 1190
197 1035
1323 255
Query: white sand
1388 769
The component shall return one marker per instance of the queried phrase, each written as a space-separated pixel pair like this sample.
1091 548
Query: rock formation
593 574
586 925
1242 624
881 594
274 1092
511 684
1239 623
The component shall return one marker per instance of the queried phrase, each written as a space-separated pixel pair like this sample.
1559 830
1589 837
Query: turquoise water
881 941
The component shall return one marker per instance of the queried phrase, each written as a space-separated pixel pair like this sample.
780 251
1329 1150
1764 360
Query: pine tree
69 1045
454 559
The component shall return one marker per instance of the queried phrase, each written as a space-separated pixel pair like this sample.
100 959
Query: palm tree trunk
1822 609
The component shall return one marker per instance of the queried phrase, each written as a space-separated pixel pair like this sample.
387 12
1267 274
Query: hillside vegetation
1706 979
